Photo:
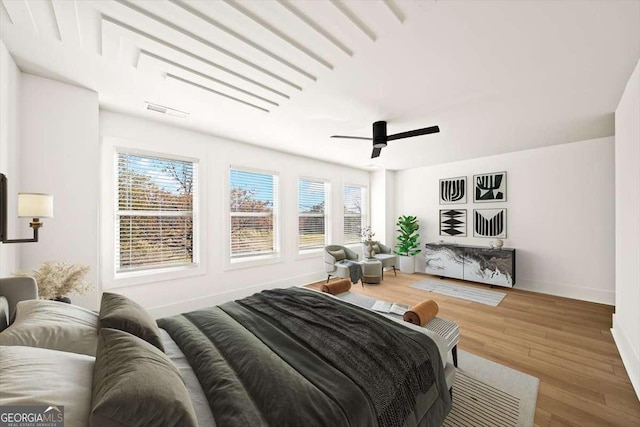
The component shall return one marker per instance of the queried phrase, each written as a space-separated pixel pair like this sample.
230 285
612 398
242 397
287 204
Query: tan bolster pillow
337 287
421 313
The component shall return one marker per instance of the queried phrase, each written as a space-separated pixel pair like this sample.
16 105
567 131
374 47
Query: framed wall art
490 223
453 222
453 190
490 187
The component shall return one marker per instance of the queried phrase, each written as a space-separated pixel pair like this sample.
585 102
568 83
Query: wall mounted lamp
30 205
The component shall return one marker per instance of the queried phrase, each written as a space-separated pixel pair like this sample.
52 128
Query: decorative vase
372 253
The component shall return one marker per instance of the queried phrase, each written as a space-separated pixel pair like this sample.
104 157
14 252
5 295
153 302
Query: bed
280 357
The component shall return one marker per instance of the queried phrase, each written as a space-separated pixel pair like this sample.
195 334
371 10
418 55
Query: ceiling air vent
165 110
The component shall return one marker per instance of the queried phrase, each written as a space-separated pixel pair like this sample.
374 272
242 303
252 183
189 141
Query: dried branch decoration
57 279
367 234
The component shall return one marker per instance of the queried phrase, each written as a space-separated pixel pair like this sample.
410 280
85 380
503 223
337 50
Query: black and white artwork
490 223
453 222
453 190
490 187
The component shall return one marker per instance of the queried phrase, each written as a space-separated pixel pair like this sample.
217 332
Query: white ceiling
496 76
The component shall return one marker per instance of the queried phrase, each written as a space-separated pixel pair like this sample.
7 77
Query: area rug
463 292
488 394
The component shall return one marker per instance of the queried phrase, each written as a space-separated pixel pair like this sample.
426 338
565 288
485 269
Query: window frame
120 213
364 192
327 215
231 262
111 278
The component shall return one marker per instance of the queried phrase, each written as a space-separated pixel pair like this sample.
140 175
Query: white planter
407 264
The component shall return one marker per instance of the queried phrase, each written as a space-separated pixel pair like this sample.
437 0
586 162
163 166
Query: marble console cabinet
473 263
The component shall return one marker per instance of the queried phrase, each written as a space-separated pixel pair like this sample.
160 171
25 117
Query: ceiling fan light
380 134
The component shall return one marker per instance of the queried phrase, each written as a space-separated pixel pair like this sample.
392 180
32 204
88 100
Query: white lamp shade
35 205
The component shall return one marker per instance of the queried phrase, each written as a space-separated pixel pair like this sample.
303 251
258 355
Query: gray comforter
293 357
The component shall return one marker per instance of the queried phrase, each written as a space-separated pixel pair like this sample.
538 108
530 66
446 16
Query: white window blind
155 212
312 214
354 213
254 203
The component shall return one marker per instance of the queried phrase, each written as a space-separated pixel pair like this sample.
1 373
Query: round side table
371 271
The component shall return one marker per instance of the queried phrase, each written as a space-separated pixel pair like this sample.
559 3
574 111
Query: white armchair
384 254
333 254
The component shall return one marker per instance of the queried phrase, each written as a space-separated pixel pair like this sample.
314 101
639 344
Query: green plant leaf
407 240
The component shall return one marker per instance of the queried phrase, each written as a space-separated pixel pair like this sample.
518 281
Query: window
253 209
312 214
354 213
155 210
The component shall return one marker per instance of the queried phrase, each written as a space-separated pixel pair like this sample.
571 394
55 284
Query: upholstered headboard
4 313
12 291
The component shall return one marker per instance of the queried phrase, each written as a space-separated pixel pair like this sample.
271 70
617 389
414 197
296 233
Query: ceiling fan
380 137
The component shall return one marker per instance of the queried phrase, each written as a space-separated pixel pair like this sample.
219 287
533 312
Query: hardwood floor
566 343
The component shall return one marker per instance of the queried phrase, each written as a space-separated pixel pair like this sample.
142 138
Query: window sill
255 261
133 278
310 253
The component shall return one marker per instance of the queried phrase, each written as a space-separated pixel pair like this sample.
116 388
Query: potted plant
407 243
56 280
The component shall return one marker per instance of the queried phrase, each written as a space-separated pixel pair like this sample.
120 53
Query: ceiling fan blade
351 137
376 152
416 132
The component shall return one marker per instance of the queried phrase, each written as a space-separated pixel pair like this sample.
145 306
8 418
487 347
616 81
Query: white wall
59 154
218 283
626 321
382 205
9 113
560 214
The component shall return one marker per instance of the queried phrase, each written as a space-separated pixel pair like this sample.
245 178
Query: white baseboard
215 299
630 358
566 291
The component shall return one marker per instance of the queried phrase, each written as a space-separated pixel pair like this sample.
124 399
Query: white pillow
53 325
37 376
